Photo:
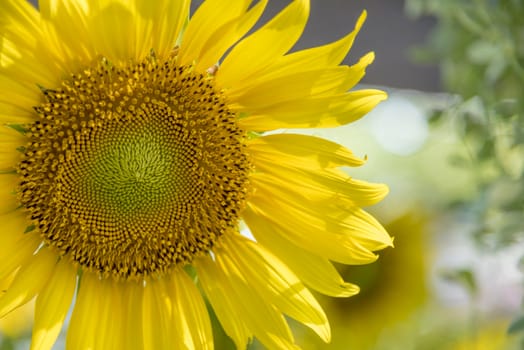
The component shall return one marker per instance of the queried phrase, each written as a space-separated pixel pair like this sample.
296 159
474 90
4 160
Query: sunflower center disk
132 170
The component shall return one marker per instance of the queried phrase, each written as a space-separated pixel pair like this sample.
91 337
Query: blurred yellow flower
130 157
490 335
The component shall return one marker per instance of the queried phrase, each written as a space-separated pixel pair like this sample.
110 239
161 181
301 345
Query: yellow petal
82 327
8 185
23 95
110 332
123 30
157 317
241 311
112 31
210 17
52 305
303 151
344 235
286 87
14 239
18 13
258 50
298 83
275 282
21 37
78 32
318 57
316 272
29 281
359 227
228 34
66 29
190 316
311 236
224 306
162 21
317 112
132 321
10 140
20 69
98 315
15 114
320 186
50 9
16 64
18 322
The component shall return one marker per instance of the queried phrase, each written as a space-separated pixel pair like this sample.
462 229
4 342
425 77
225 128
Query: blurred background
449 142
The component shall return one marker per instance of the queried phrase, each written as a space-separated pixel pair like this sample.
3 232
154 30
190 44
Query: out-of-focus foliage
479 45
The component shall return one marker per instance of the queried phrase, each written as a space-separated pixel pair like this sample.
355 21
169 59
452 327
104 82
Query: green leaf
18 127
464 277
517 325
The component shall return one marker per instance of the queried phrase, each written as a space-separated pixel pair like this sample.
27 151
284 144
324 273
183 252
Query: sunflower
131 160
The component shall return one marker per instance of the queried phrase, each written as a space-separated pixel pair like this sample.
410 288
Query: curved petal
346 235
242 312
133 296
82 327
98 315
302 151
318 186
225 36
109 324
20 96
20 14
274 281
191 317
352 222
8 185
50 9
122 30
29 281
300 85
112 29
15 114
264 91
214 284
157 317
65 24
258 50
322 56
10 140
21 37
14 239
52 305
209 18
316 112
315 271
162 21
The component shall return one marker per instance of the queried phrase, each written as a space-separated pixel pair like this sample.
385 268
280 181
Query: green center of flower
135 168
132 170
